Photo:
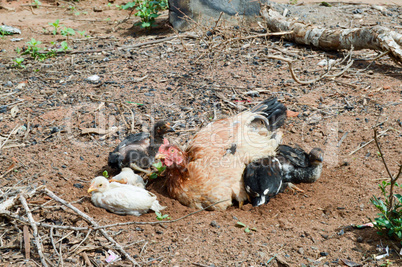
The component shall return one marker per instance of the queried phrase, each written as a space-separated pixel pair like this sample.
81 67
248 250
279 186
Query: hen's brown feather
216 159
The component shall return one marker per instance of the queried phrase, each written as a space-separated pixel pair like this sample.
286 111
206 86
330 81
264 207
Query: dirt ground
45 107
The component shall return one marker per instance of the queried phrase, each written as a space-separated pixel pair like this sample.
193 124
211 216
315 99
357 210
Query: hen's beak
91 188
160 156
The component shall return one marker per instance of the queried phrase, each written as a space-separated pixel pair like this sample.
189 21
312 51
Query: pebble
359 239
54 130
78 185
301 251
323 254
3 109
215 224
81 158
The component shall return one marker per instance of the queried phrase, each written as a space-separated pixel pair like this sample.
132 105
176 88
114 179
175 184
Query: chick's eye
172 150
100 184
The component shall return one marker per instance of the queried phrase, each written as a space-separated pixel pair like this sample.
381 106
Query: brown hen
211 169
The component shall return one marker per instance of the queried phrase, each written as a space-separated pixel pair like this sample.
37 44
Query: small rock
93 78
324 236
301 251
235 218
139 229
323 254
64 166
9 84
159 232
149 94
81 158
97 9
359 239
54 130
214 224
10 30
78 185
3 109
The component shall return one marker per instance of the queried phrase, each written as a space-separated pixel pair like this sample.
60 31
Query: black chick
138 151
266 177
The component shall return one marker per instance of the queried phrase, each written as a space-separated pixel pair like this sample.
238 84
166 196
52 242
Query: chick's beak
91 188
170 130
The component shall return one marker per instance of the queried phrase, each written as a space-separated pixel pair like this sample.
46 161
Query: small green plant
325 4
33 49
161 217
159 169
389 220
246 228
18 62
81 33
36 3
147 10
67 31
55 25
64 47
2 33
105 174
293 2
18 50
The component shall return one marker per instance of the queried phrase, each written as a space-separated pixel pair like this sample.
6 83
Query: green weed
55 25
159 167
161 217
389 220
36 3
246 228
18 62
147 10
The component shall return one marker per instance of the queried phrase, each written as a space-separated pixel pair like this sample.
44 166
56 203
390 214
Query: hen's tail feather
273 110
157 207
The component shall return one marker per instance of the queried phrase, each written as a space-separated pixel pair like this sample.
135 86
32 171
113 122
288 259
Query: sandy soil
50 102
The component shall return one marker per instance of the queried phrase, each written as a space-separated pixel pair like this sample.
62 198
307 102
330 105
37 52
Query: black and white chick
266 177
138 151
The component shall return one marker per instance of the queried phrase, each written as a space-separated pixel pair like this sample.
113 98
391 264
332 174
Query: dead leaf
12 166
22 85
290 113
386 87
350 263
14 111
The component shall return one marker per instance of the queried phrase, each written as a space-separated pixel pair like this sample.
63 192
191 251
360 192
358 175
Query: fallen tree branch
375 38
94 224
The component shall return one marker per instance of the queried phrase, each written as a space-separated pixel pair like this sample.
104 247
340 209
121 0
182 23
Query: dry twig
93 223
392 178
35 230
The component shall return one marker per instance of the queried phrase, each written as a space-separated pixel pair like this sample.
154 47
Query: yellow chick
122 199
127 176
